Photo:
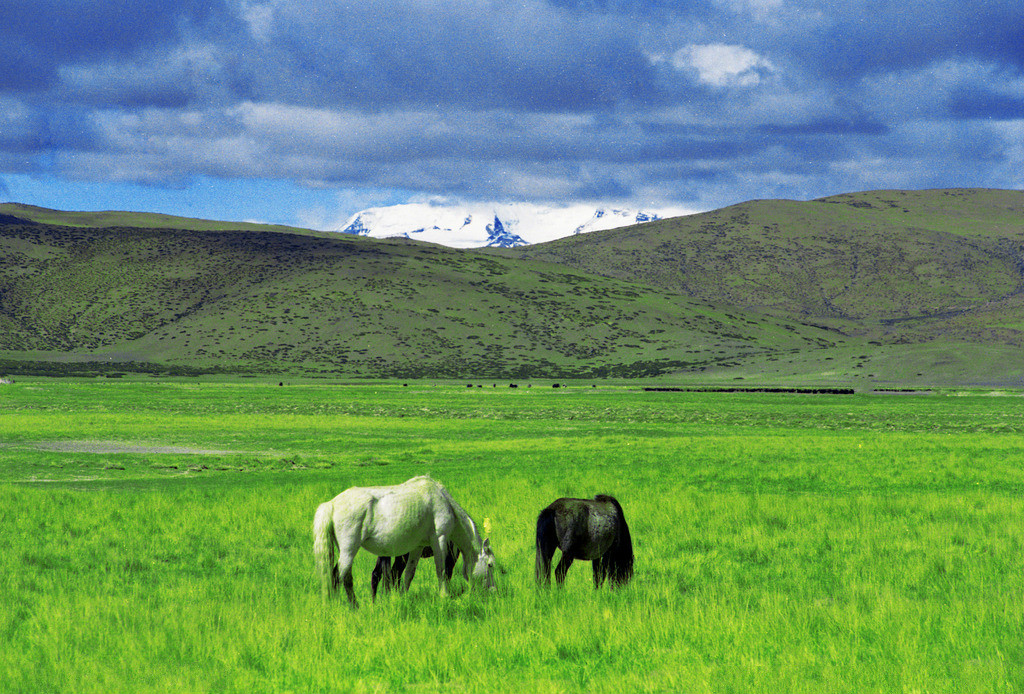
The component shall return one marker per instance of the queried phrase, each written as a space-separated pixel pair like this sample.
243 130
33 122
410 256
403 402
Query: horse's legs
451 556
410 569
335 579
344 574
563 567
440 561
382 569
394 576
347 549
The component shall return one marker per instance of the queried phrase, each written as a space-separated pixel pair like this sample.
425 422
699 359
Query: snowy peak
500 238
504 226
612 219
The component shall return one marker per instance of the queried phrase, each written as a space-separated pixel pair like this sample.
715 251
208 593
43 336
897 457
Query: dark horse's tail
547 540
617 563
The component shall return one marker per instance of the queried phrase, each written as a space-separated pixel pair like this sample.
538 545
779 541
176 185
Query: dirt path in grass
121 447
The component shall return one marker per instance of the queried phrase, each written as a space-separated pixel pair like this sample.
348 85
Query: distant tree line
753 389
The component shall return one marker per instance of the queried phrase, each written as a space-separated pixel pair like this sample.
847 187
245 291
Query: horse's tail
325 546
619 558
546 541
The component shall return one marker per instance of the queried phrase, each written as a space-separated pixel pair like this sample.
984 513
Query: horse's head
483 569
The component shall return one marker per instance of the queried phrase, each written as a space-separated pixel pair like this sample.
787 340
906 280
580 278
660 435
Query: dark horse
594 530
390 570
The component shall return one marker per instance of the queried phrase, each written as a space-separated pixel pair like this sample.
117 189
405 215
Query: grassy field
157 538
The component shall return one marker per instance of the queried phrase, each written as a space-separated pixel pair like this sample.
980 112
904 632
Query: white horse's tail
325 549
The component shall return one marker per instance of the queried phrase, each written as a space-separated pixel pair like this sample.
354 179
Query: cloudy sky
303 112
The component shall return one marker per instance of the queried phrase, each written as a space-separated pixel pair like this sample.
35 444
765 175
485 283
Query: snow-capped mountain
474 226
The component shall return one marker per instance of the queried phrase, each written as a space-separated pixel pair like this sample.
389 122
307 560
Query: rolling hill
886 287
894 266
181 300
141 220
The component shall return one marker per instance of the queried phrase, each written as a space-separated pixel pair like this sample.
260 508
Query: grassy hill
140 220
895 266
879 288
259 301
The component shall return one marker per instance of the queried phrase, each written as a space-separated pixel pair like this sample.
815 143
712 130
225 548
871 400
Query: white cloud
260 20
721 65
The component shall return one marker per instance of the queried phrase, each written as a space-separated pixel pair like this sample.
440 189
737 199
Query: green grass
798 543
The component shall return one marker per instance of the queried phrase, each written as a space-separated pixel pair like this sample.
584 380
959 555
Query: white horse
391 521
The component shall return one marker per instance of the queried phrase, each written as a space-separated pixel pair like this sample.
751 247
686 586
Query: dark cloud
41 36
523 56
825 127
711 101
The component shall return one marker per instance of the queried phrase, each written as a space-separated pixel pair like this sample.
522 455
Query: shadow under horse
389 570
593 530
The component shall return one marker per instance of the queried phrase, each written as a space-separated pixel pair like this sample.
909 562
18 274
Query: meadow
157 538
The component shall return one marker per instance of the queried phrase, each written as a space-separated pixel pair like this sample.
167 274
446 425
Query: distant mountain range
493 226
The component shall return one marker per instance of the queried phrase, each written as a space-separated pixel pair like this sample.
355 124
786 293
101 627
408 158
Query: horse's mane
462 513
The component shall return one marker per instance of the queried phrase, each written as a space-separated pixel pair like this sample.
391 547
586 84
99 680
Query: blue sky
304 113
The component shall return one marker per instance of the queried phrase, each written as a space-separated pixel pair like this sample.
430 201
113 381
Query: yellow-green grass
828 543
